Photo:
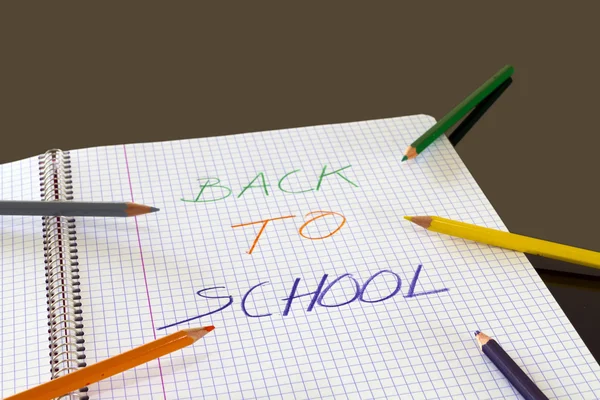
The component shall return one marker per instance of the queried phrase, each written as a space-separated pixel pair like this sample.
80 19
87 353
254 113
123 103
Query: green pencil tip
404 158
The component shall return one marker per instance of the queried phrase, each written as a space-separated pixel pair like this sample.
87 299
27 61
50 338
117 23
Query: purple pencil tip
477 333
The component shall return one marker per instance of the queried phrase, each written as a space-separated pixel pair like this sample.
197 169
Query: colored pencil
111 366
73 208
419 145
479 111
509 368
509 240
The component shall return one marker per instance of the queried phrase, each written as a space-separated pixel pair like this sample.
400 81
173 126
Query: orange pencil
112 366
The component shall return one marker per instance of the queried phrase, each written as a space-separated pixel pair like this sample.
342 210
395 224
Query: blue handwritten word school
317 297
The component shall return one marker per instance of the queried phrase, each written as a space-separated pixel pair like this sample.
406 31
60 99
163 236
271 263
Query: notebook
292 243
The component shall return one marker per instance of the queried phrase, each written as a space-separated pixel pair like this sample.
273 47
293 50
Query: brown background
75 75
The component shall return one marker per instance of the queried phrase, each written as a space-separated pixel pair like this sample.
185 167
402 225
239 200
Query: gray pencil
73 208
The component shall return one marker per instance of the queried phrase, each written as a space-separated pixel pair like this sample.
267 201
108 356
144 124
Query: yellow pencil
509 241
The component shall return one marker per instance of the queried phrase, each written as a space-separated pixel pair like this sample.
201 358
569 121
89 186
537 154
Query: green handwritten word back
212 190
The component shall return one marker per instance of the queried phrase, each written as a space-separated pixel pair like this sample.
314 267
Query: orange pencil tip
208 328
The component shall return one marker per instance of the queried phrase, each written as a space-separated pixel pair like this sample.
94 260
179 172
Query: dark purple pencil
509 368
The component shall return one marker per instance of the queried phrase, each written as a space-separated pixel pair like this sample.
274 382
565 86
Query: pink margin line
144 269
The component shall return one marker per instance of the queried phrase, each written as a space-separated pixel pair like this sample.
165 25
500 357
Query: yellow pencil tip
408 218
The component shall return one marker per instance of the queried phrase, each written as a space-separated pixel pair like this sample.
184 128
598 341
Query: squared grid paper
24 353
141 274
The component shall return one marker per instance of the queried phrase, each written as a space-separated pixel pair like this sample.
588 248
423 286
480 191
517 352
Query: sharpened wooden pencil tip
424 222
134 209
410 153
197 333
482 338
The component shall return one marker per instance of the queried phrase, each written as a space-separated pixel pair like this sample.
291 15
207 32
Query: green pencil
457 113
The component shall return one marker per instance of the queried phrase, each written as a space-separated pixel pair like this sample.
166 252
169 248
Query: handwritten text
211 189
360 293
316 215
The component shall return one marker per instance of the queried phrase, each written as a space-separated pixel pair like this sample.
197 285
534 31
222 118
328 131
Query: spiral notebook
292 243
65 321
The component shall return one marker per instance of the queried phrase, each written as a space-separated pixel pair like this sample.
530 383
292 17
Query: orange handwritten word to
264 222
321 214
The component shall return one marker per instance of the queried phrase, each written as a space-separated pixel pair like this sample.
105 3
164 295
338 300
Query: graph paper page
24 360
338 297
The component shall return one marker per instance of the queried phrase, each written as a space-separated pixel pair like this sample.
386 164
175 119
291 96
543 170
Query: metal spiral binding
65 322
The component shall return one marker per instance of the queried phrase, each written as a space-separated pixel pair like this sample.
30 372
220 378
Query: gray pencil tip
154 209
